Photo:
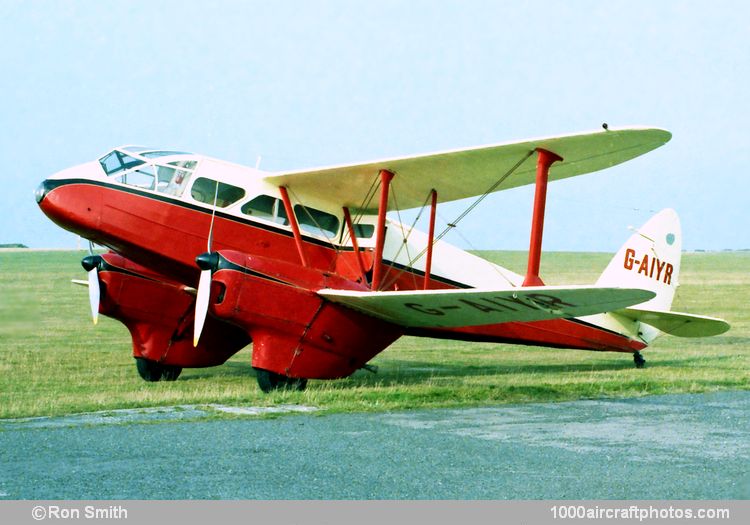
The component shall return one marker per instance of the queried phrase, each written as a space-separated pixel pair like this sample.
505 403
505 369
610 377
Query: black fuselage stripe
178 202
52 184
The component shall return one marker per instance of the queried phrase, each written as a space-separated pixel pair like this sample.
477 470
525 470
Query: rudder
650 260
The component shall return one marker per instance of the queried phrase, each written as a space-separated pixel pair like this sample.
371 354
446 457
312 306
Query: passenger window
204 190
172 181
266 207
141 178
316 221
364 231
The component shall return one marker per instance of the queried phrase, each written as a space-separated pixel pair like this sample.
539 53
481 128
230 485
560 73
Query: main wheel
171 373
269 381
638 360
148 370
152 371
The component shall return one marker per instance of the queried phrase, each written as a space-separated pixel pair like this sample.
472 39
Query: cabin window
316 221
266 207
141 178
364 231
205 190
118 161
173 181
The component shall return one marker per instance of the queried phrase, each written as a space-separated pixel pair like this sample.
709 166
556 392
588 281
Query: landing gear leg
638 360
269 381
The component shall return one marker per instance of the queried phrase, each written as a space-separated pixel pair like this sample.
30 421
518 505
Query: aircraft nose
42 190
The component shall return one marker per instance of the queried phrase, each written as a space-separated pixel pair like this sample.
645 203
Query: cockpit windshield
143 168
118 161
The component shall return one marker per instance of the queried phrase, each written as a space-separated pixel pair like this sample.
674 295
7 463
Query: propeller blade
208 263
94 293
91 264
204 283
201 304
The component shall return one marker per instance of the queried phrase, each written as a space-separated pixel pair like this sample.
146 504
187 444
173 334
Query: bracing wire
454 224
404 244
331 240
363 206
483 196
494 267
405 239
314 222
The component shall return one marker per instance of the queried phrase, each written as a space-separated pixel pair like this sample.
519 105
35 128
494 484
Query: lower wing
475 307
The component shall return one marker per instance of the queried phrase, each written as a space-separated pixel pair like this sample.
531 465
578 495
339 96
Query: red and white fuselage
278 240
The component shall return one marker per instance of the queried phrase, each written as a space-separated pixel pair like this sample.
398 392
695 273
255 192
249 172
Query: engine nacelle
295 331
159 315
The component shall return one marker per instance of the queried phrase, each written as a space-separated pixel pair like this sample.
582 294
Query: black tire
269 381
171 373
296 383
152 371
148 370
638 360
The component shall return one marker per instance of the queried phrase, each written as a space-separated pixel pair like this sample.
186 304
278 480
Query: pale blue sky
314 83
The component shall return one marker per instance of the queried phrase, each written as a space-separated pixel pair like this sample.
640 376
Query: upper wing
473 307
469 172
678 324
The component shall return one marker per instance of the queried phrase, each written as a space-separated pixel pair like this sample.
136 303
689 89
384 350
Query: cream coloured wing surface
469 172
679 324
474 307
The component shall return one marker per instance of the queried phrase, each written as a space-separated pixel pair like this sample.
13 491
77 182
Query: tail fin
650 260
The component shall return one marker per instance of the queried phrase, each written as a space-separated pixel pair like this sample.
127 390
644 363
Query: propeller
207 262
91 263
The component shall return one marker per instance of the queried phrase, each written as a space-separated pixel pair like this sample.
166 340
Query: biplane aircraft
206 256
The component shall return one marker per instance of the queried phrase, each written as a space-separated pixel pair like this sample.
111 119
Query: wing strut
355 244
430 240
377 268
544 160
294 225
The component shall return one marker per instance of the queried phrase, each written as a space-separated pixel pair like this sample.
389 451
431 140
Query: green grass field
53 361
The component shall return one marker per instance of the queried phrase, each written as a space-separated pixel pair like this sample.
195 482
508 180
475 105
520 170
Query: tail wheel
638 359
269 381
152 371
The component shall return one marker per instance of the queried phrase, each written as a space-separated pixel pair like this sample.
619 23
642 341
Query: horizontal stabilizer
475 307
678 323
